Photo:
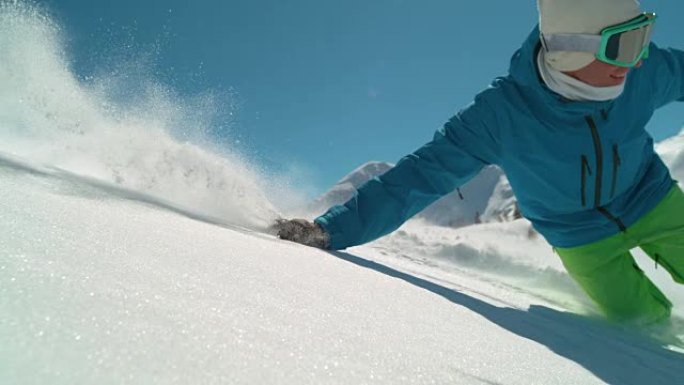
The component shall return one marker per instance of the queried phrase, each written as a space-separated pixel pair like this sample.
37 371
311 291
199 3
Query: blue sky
322 86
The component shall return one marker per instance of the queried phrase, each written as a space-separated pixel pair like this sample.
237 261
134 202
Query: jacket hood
523 71
523 67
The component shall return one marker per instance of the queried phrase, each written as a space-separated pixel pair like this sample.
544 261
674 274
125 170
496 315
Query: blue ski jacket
581 171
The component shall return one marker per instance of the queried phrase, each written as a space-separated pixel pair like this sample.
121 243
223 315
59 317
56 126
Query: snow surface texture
117 266
101 285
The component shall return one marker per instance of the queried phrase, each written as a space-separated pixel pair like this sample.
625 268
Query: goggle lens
628 46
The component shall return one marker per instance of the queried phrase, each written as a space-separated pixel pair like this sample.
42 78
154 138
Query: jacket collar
523 71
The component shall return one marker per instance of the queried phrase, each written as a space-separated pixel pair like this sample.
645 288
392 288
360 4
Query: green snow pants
608 273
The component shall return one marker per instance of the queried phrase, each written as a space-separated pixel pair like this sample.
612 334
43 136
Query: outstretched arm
667 74
457 152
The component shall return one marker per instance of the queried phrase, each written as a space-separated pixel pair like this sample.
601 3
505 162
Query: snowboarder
567 127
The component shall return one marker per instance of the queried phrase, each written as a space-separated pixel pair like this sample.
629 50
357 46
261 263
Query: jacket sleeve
667 74
458 151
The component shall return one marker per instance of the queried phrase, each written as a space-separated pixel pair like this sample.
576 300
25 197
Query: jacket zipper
585 170
616 165
599 160
599 175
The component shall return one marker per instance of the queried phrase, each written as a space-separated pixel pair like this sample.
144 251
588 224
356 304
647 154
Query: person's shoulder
659 56
492 107
498 88
496 94
660 64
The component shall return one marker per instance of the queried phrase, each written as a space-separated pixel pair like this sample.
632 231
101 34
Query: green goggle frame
621 45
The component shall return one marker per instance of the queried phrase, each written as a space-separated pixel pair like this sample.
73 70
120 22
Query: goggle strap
572 42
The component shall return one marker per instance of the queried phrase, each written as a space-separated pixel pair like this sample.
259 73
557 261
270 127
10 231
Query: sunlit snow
130 256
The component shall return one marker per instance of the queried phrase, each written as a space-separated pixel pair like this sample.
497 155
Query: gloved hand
302 231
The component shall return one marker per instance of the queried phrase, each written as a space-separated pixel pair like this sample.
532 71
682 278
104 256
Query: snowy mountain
502 205
343 190
466 205
460 208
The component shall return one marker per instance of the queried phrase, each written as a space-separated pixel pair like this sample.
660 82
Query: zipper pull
616 155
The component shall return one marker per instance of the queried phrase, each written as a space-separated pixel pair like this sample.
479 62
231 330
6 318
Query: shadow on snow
613 355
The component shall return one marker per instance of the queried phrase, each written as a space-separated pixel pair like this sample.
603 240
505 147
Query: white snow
98 285
128 256
49 116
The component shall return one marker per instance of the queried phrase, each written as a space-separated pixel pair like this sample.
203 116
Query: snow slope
103 285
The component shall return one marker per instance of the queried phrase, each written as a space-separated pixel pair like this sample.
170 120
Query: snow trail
97 128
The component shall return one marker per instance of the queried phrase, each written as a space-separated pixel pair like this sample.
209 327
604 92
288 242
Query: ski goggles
621 45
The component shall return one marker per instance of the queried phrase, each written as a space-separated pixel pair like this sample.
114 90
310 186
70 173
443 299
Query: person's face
600 74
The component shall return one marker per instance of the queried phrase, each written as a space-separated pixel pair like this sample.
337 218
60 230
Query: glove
302 231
